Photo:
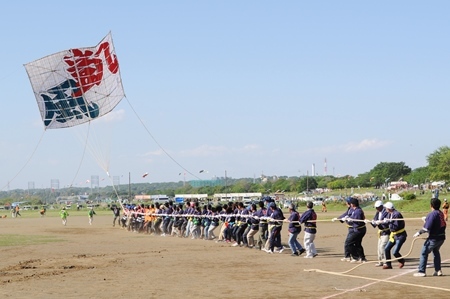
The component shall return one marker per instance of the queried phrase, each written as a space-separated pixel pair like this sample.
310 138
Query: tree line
438 169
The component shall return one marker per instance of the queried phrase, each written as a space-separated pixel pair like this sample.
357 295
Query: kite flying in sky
77 85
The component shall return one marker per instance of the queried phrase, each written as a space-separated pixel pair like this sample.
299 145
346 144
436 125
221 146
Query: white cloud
250 147
352 146
364 145
158 152
218 150
205 150
113 116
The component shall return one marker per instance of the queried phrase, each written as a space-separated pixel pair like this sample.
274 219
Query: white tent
395 196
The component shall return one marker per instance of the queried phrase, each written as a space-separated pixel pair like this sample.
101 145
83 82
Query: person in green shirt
91 214
63 213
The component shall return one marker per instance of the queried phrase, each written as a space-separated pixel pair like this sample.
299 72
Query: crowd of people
392 235
259 226
231 223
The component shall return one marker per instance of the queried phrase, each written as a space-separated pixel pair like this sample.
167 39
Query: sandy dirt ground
101 261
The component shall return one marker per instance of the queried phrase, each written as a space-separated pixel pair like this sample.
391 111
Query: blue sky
242 87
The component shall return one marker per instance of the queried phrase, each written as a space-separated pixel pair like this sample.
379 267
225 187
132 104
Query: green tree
281 184
307 183
418 176
337 184
439 164
389 171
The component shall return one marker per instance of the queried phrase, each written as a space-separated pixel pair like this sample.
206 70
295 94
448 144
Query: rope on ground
380 280
344 273
361 264
350 290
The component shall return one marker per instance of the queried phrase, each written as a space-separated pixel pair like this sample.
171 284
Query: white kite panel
76 86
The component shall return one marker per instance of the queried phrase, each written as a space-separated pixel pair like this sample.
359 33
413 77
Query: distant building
237 196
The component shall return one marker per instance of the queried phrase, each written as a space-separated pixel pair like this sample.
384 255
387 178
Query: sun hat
389 205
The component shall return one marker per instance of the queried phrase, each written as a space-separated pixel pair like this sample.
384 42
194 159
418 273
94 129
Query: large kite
76 86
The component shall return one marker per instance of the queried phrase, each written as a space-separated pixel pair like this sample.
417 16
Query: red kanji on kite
87 67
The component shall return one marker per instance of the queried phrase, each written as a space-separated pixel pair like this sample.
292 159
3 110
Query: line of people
234 224
392 235
238 226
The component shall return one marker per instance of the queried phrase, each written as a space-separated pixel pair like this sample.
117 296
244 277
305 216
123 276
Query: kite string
82 156
116 192
157 143
26 163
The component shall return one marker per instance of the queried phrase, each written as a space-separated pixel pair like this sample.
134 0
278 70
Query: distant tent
395 196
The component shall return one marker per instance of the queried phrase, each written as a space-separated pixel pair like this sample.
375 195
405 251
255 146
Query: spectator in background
445 206
63 214
43 211
18 211
116 213
91 214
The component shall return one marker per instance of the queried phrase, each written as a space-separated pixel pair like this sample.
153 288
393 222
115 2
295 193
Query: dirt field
101 261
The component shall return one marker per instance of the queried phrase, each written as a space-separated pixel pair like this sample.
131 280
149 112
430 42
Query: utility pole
307 183
226 185
129 187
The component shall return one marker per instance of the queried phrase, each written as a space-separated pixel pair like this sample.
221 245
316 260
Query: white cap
378 203
389 205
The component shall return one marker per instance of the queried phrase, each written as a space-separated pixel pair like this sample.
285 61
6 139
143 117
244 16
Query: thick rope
380 280
359 265
245 216
344 273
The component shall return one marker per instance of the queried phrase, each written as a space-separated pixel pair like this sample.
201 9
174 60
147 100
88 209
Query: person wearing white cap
383 230
397 236
435 226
